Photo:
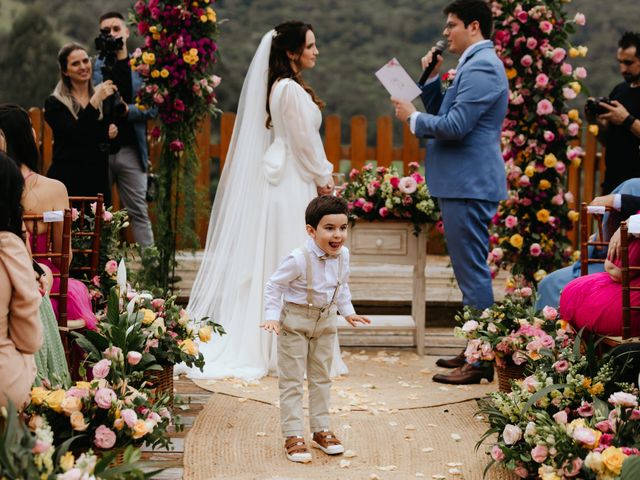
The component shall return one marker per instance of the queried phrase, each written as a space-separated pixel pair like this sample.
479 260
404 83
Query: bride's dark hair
290 37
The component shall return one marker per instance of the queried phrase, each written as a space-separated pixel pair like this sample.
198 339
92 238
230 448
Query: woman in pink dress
594 302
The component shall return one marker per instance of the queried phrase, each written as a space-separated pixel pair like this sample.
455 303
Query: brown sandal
297 450
327 442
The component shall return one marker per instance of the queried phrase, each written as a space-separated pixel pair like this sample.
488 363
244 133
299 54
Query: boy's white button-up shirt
289 282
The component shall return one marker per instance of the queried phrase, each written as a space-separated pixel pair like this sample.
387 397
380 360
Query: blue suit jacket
137 117
464 158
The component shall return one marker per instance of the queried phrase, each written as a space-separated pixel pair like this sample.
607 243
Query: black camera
108 46
594 107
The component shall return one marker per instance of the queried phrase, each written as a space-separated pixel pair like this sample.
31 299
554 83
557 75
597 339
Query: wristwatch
628 122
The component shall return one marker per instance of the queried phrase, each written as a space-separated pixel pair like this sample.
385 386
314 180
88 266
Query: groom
464 167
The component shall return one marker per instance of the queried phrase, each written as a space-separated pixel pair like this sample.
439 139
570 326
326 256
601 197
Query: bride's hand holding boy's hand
271 326
355 319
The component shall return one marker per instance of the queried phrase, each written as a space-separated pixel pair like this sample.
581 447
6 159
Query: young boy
306 293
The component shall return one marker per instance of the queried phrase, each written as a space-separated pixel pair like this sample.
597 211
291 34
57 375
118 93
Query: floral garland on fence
176 61
538 136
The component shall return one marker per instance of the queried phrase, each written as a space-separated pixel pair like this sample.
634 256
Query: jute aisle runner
394 421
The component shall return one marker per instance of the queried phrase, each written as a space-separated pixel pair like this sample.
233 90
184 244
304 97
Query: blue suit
135 116
464 166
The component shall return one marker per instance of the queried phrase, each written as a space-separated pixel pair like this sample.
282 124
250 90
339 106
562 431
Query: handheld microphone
440 46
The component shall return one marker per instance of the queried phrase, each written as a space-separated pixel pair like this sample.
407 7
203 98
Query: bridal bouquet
381 193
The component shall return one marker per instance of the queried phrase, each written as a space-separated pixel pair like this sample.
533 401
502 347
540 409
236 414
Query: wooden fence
582 181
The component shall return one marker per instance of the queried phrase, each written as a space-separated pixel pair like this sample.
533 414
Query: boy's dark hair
324 205
106 16
472 10
630 39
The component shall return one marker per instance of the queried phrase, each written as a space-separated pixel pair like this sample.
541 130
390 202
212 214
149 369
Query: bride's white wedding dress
257 220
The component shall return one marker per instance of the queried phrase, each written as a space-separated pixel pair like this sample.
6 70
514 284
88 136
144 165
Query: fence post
333 140
358 141
384 141
226 131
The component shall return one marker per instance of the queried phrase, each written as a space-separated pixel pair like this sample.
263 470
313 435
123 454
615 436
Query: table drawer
388 241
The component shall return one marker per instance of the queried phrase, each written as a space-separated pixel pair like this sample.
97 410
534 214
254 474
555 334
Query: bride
276 164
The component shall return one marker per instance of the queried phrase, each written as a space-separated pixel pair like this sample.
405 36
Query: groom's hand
355 319
271 326
426 60
403 109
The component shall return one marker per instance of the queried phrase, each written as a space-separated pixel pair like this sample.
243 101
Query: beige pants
306 344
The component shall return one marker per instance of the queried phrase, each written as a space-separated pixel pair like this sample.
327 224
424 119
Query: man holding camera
616 116
127 168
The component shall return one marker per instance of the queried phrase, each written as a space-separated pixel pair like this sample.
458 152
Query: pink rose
586 436
78 392
359 203
580 72
558 55
511 221
546 26
526 61
107 216
561 366
549 136
561 168
539 453
557 199
156 132
569 93
383 212
561 417
585 409
105 397
367 207
542 80
604 426
440 227
75 214
178 105
394 181
580 19
407 185
497 253
623 399
157 303
573 129
571 469
133 358
526 292
549 313
111 267
535 249
521 471
544 107
566 68
101 369
524 181
497 454
176 146
531 43
104 437
129 416
40 446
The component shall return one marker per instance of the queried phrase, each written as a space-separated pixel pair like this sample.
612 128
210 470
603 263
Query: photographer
616 116
128 167
81 134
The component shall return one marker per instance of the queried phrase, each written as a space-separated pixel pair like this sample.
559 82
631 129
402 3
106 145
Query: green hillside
355 38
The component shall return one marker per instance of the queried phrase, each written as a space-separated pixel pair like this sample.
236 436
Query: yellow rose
544 184
203 18
543 215
573 114
582 50
539 275
594 462
575 86
148 58
155 73
573 215
139 429
594 129
77 422
118 424
153 29
550 160
149 316
189 347
71 405
516 240
575 256
156 36
86 385
612 458
38 394
205 333
211 14
596 389
54 400
529 171
67 461
573 52
164 73
511 73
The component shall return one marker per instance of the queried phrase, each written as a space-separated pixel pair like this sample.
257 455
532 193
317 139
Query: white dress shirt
289 283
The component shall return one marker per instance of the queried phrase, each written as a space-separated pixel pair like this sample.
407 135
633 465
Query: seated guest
81 135
594 302
20 328
550 287
41 195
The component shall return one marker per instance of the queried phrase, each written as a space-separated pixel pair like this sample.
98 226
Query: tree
29 70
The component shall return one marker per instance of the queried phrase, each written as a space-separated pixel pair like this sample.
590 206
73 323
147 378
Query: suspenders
307 258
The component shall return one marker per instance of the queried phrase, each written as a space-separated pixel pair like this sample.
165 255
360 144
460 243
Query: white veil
225 278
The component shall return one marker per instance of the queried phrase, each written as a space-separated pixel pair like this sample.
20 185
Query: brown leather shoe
453 362
465 375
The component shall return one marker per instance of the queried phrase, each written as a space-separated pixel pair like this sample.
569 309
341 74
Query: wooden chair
60 259
627 308
87 253
587 215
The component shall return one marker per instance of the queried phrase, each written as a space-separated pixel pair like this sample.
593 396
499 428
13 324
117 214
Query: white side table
394 242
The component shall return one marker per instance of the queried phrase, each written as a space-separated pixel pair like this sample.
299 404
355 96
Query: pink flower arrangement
382 193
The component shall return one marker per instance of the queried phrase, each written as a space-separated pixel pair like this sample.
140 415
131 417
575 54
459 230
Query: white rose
623 399
491 328
530 430
470 326
511 434
593 461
